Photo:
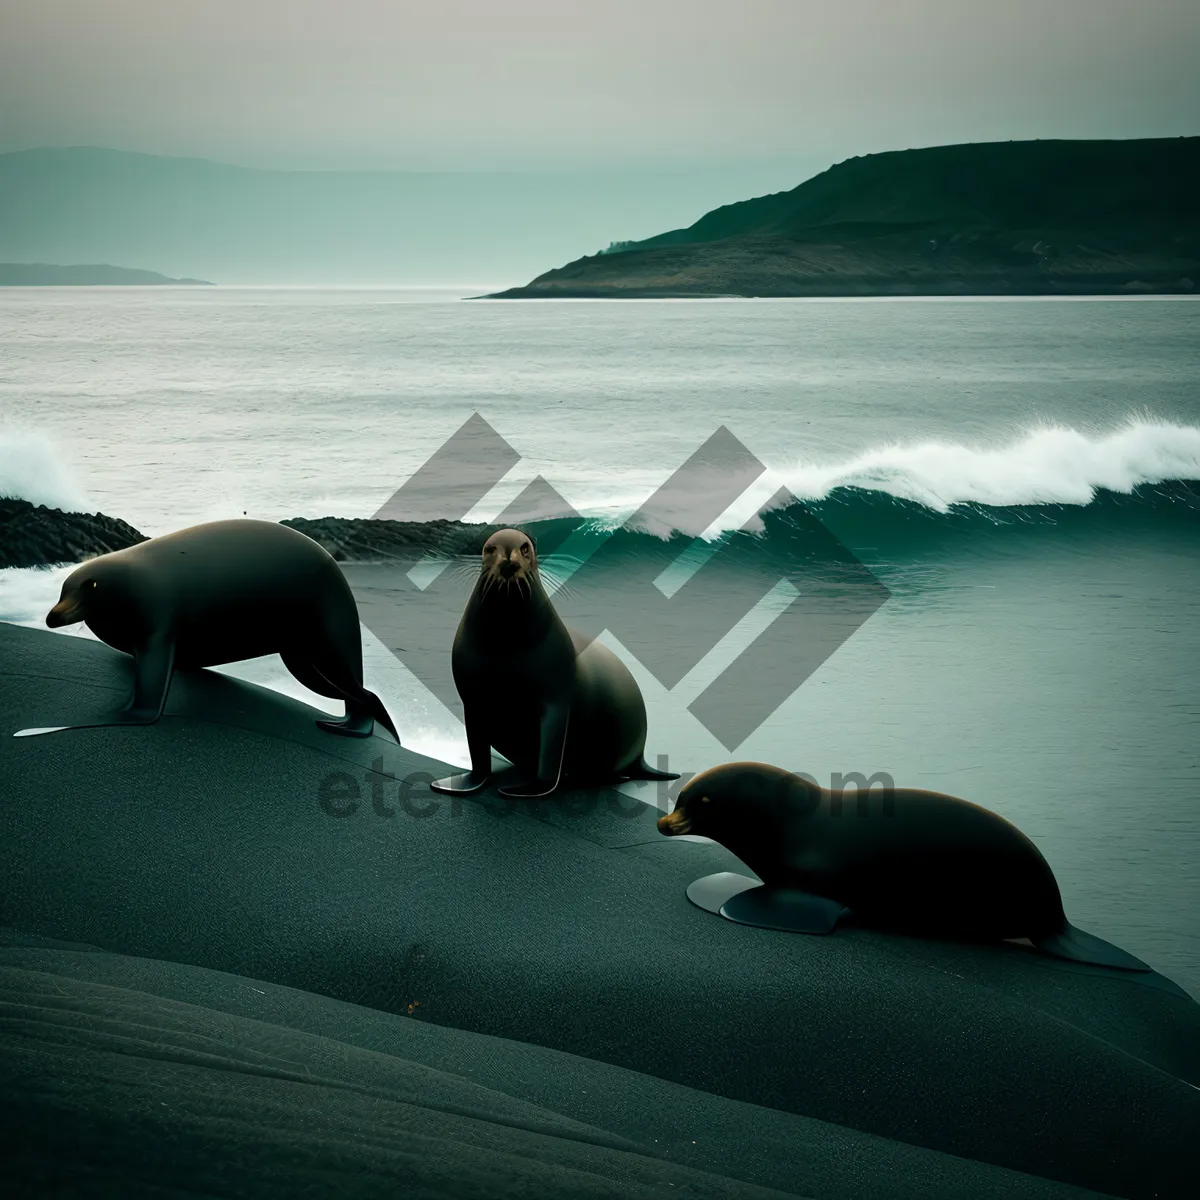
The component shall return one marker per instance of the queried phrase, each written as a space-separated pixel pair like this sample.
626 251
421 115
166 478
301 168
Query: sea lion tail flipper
1077 946
381 713
363 708
642 770
361 714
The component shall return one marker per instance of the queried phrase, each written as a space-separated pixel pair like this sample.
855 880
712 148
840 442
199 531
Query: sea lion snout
71 606
674 824
65 612
508 568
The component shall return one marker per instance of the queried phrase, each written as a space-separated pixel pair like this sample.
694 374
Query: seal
219 593
908 861
554 704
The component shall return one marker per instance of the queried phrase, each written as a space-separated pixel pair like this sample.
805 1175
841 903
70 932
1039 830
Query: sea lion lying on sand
912 861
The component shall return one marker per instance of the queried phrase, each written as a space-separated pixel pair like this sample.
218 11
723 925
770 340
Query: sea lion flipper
381 714
153 666
711 891
460 785
356 723
552 749
1077 946
479 745
784 909
363 707
361 716
556 720
480 748
643 770
533 790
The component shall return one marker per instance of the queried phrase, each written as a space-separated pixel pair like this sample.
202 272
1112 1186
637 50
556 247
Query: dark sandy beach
262 996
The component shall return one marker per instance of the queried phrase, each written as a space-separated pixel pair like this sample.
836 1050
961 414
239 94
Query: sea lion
909 861
555 705
220 593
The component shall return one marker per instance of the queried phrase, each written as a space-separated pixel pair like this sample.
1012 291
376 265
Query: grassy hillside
1005 217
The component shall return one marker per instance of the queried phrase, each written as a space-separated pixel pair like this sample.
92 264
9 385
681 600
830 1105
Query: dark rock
36 536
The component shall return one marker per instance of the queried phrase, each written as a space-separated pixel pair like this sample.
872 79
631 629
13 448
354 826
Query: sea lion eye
525 549
489 549
705 800
92 583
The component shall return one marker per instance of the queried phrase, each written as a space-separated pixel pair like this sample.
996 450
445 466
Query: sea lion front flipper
1075 945
748 902
153 666
480 748
784 909
711 891
552 749
461 785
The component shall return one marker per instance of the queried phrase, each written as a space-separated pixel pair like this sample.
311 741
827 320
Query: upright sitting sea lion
911 861
220 593
553 704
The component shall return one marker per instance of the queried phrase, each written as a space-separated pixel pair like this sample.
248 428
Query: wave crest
1052 465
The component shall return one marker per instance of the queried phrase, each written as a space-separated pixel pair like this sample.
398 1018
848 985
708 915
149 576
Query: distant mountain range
191 217
1003 218
91 275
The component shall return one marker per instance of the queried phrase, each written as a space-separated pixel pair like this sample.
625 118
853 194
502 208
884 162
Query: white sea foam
33 468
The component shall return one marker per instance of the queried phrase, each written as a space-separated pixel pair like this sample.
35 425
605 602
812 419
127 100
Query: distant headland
1000 218
89 275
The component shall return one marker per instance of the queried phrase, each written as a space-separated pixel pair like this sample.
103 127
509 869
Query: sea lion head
90 591
731 803
510 563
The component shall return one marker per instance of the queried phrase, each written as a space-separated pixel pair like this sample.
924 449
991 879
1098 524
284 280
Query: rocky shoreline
36 536
32 535
911 265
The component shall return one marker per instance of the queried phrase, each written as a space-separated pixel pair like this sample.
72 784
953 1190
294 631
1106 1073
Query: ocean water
1014 473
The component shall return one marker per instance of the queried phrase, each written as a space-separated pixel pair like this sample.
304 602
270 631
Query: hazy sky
465 84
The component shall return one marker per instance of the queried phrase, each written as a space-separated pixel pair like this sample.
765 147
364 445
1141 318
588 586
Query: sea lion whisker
562 588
